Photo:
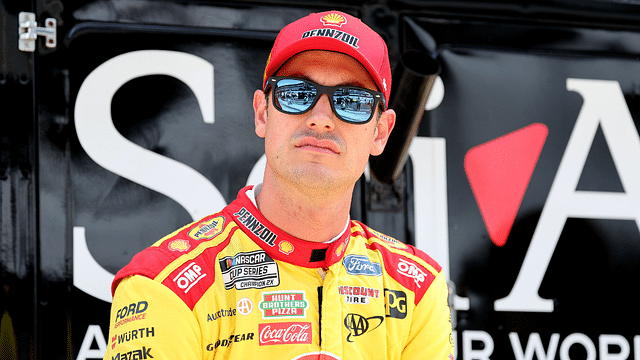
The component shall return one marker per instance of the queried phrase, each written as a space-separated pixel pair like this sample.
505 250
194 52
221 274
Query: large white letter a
604 105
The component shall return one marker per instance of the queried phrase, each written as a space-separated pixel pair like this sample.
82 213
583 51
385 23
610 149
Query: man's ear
383 129
260 112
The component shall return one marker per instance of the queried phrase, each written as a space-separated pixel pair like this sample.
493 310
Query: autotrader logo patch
250 270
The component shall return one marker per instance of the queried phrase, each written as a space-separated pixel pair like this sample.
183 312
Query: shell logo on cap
333 19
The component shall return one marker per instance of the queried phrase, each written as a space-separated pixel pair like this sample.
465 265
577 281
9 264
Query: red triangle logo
499 172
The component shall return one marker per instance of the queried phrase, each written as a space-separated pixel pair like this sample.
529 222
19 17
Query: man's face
316 149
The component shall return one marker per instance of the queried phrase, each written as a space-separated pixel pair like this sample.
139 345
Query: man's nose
321 117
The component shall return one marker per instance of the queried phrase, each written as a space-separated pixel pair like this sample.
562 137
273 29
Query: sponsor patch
358 294
283 304
389 240
246 218
285 333
250 270
412 271
131 312
189 277
227 341
207 229
358 325
335 34
285 247
395 304
244 306
140 354
178 245
142 333
220 314
333 19
361 265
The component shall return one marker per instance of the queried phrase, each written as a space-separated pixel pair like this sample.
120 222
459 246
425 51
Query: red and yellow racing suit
233 286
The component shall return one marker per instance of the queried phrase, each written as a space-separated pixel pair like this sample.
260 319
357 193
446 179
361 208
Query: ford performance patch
250 270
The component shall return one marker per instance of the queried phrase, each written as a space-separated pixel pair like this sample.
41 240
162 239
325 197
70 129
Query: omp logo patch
412 271
189 277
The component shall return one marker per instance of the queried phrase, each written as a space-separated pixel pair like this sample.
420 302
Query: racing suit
233 286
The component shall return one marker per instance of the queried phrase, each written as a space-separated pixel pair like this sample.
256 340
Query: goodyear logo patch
207 229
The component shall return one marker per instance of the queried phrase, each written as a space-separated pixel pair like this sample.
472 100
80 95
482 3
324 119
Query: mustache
319 136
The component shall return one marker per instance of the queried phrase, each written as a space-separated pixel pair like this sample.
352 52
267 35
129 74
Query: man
282 272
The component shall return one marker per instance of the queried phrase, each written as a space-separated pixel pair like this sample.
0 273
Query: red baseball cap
333 31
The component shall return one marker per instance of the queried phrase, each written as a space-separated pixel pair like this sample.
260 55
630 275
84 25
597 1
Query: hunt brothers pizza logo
283 304
285 333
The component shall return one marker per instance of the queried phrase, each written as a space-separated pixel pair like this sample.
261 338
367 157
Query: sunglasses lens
294 96
353 105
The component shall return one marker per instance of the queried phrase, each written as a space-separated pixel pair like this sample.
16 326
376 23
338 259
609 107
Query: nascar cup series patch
249 270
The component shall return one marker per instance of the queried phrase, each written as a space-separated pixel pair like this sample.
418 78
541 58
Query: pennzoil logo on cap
335 34
333 19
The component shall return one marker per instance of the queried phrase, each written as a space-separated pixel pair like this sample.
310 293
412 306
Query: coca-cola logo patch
285 333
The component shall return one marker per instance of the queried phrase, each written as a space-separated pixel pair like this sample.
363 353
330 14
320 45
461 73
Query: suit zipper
320 316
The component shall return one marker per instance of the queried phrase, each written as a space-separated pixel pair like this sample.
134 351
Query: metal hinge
28 32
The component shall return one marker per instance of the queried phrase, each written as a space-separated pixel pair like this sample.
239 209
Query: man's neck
308 215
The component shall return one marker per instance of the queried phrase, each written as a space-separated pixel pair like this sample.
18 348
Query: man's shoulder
408 265
189 251
388 244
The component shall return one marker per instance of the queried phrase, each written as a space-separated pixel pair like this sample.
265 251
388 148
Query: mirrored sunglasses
296 96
